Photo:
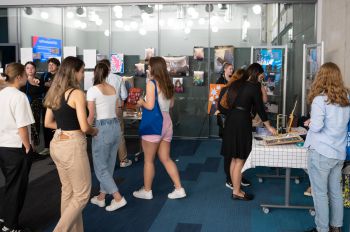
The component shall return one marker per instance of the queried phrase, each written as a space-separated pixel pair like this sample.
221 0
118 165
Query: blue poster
45 48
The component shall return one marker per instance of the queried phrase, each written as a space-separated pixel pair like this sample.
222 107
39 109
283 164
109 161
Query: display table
134 116
279 156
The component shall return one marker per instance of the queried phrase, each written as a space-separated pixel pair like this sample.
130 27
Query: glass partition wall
194 39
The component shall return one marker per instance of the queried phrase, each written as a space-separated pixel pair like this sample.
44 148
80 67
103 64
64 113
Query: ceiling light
99 22
201 21
134 25
180 13
28 10
127 28
222 6
118 9
209 8
118 14
190 10
187 30
106 33
44 15
119 23
215 29
80 10
195 15
142 31
256 9
70 14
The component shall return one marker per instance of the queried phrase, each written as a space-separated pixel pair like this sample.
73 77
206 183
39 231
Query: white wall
334 23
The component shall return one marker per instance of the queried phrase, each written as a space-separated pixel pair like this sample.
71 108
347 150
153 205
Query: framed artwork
222 54
149 52
117 63
214 93
198 78
178 84
134 95
198 53
140 70
177 65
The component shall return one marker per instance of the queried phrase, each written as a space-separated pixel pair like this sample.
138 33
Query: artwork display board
45 48
313 58
117 63
214 93
222 54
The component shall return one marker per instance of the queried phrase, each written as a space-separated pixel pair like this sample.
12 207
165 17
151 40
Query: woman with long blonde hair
66 113
159 88
326 143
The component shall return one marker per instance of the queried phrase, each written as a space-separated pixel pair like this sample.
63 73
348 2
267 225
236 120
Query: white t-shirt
105 104
15 113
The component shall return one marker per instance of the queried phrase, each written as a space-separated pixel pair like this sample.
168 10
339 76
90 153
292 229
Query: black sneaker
229 185
245 182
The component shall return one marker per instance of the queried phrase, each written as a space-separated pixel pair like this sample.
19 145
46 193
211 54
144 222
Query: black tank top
66 116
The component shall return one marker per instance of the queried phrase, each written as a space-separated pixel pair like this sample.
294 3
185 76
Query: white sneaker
116 204
143 194
96 201
125 163
177 193
45 151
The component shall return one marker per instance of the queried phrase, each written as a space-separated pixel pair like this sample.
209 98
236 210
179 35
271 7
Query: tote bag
152 120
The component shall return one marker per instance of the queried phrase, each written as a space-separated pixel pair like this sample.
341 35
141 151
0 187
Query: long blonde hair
329 82
64 80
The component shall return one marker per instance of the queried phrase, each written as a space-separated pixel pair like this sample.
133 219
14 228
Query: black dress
237 134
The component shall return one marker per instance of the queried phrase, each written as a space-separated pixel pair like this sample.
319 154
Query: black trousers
48 133
15 165
227 163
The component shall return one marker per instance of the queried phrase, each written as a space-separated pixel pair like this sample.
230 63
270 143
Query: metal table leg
277 175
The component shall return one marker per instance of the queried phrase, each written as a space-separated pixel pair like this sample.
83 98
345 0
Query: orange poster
214 93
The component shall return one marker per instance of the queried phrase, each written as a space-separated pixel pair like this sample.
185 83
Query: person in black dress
237 135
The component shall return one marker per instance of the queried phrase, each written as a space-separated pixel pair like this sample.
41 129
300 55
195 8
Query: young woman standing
16 118
159 84
102 100
326 143
66 112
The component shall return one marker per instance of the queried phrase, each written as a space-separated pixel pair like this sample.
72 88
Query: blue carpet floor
208 206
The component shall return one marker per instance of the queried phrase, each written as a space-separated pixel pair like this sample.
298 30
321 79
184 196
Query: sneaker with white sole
229 185
125 163
143 194
116 204
177 193
96 201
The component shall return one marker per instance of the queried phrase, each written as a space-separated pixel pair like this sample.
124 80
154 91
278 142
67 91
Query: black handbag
220 120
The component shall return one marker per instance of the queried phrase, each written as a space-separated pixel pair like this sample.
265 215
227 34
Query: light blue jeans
104 153
325 177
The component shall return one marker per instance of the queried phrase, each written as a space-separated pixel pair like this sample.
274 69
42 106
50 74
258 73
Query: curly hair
329 82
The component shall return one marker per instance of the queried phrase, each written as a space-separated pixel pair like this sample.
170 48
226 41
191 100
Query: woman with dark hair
237 134
159 87
258 79
16 118
34 89
326 142
66 113
102 101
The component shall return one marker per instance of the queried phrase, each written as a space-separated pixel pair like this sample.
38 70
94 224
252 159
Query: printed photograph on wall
140 70
134 95
149 52
177 65
198 78
214 93
117 63
178 83
198 53
222 54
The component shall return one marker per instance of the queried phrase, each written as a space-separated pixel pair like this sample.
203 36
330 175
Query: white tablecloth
283 156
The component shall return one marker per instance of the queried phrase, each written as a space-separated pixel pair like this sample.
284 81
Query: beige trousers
68 151
122 152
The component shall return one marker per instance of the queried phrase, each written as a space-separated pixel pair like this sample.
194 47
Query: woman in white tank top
159 144
102 100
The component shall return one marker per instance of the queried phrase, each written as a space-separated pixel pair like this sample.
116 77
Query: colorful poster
133 96
179 85
117 63
198 78
222 54
45 48
214 93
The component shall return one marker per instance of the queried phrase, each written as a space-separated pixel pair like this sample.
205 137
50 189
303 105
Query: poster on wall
117 63
45 48
198 78
149 52
198 53
89 56
214 93
140 70
134 95
222 54
178 84
272 62
26 55
177 65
